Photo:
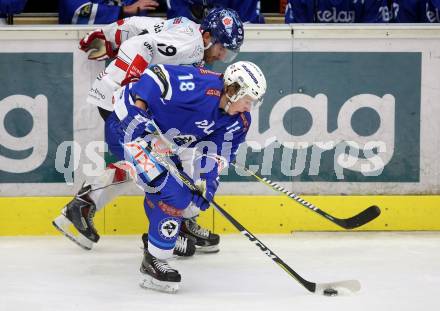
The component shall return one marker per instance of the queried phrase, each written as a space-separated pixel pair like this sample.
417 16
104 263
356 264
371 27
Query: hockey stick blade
349 286
360 219
343 287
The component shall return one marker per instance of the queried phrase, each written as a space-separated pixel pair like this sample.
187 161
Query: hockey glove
204 198
97 46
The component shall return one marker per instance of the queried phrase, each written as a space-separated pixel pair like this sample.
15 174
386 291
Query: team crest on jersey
177 20
213 92
168 228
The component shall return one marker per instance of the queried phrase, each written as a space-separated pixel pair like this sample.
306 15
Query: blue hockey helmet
225 27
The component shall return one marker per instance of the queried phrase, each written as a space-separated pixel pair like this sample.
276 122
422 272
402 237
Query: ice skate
185 245
79 214
206 241
158 275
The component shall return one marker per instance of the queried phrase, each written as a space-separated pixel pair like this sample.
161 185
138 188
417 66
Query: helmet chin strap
208 46
228 104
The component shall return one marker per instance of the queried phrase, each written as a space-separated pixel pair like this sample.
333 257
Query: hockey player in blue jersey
102 11
248 10
433 11
11 7
414 11
141 41
335 11
190 106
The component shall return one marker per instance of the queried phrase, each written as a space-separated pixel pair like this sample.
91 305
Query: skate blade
149 282
207 249
63 225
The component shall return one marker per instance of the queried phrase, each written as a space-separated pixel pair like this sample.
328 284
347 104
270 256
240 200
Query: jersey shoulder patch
162 78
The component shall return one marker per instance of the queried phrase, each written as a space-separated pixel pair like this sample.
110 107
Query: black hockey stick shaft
356 221
310 286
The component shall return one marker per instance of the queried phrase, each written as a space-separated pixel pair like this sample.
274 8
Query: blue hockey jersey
335 11
415 11
408 11
186 99
248 10
9 7
92 11
433 11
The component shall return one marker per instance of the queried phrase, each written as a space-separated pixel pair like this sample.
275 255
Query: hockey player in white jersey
137 42
154 41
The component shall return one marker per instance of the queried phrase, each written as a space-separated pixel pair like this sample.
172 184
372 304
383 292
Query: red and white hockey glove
97 46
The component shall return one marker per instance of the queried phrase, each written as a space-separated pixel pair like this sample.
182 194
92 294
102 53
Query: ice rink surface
397 271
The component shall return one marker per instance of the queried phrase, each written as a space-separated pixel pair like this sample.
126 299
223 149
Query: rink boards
326 85
259 214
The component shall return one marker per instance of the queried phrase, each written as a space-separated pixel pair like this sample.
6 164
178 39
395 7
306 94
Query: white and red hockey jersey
143 41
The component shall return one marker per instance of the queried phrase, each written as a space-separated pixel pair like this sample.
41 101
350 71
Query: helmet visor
223 53
230 55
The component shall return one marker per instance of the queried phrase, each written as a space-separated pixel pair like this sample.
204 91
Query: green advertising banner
336 116
36 115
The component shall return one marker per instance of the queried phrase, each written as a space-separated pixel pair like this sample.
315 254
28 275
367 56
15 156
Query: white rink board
268 38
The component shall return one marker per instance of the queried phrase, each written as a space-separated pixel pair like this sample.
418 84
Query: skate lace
162 266
90 217
181 244
196 229
90 214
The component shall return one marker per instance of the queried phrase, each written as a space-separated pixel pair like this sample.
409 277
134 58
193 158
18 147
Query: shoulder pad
160 75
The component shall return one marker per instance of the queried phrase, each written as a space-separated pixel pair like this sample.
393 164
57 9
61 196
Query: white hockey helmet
250 79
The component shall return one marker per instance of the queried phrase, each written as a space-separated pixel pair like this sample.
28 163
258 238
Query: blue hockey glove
204 198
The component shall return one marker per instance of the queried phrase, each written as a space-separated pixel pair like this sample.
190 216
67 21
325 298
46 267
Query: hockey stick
355 221
318 288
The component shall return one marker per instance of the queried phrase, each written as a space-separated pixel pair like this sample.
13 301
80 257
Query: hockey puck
330 292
